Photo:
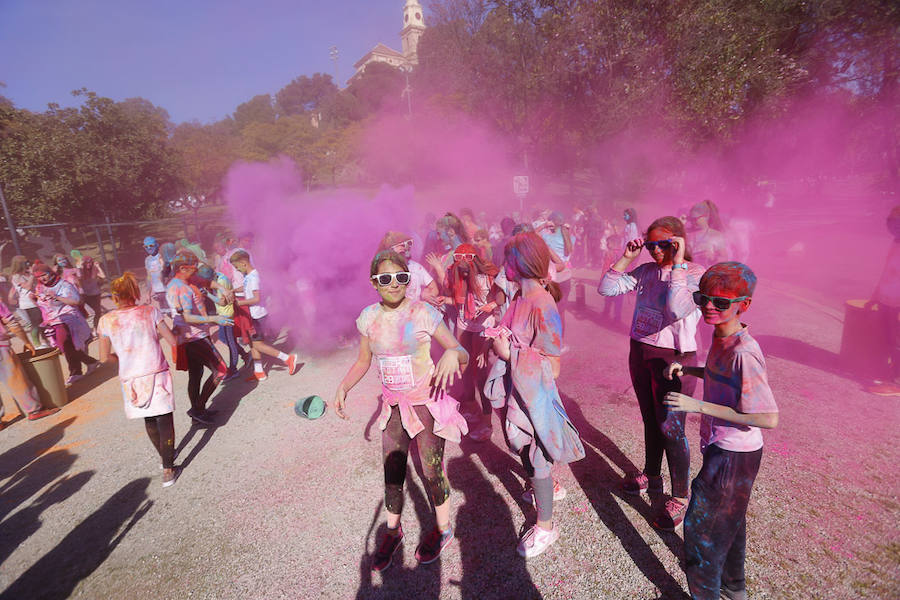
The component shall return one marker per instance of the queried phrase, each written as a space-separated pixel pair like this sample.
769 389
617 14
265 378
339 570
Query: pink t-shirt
735 376
135 340
181 297
401 342
535 321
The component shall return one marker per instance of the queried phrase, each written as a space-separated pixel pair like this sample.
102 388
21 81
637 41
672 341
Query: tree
206 152
102 159
379 87
258 109
304 94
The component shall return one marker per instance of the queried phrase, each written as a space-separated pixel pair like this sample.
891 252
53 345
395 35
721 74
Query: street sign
520 185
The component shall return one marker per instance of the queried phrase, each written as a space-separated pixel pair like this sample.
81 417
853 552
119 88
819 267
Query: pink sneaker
536 540
641 482
672 515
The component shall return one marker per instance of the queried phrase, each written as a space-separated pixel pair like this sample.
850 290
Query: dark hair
732 276
452 221
674 225
387 256
391 239
522 228
506 225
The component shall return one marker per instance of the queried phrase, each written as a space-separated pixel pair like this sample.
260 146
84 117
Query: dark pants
161 430
663 429
715 526
395 447
74 358
226 336
161 301
94 303
201 353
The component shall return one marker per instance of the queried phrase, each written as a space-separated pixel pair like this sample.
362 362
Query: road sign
520 185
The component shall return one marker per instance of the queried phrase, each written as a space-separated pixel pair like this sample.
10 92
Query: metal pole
9 223
333 51
408 92
102 251
113 242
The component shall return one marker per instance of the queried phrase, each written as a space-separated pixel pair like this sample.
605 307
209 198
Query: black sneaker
433 544
204 418
384 555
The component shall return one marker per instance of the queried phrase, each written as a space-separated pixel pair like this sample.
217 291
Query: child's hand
340 399
633 248
445 372
682 403
679 249
673 370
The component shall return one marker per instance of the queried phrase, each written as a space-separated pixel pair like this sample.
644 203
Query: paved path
273 506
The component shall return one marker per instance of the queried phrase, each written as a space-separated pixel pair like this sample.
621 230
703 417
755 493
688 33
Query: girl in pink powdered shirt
398 331
132 332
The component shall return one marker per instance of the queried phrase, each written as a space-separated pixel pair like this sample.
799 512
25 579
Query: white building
413 28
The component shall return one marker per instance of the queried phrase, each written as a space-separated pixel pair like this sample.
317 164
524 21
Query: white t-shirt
251 285
154 265
419 279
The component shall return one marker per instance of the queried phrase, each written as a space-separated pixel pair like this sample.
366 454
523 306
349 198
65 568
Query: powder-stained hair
674 225
387 256
184 258
238 256
529 255
729 276
391 239
126 288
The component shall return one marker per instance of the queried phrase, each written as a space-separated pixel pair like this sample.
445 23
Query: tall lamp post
333 52
408 91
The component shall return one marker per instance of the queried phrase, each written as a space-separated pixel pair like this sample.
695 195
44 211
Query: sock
257 366
543 497
282 357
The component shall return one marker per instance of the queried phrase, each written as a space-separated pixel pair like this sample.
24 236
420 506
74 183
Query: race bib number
647 323
396 372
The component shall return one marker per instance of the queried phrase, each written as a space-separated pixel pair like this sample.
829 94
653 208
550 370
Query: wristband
680 266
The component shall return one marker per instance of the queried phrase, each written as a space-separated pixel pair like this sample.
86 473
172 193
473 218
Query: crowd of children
477 326
494 298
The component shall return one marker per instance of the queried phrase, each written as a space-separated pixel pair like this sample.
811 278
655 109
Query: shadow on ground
86 547
600 483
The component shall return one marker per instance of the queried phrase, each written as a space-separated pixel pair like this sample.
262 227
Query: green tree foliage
101 159
258 109
304 94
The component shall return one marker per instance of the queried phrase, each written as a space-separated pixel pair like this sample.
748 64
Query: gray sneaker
726 594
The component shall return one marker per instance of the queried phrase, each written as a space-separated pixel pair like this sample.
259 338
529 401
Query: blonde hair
125 289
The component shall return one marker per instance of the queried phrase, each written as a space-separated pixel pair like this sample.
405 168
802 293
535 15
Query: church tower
413 28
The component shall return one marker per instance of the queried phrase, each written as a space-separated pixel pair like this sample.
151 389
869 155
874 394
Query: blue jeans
226 336
715 526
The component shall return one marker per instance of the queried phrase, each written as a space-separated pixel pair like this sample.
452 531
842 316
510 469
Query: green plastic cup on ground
311 407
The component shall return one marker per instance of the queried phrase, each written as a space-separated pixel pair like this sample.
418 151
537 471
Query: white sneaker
536 540
559 492
72 379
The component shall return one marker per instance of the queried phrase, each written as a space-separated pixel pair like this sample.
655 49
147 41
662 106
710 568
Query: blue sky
198 59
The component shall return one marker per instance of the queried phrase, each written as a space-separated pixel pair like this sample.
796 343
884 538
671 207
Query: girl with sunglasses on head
398 332
663 330
469 280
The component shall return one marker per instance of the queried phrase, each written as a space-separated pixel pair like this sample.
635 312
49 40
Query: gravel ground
273 506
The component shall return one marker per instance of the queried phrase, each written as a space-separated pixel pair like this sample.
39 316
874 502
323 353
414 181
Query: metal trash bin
864 341
44 369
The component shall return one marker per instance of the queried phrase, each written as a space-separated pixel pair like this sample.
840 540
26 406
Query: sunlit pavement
270 505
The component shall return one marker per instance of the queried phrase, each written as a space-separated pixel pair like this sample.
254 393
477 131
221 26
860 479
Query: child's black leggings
161 430
663 429
395 445
715 526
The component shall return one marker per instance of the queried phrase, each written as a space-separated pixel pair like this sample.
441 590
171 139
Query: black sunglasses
663 245
719 303
386 279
